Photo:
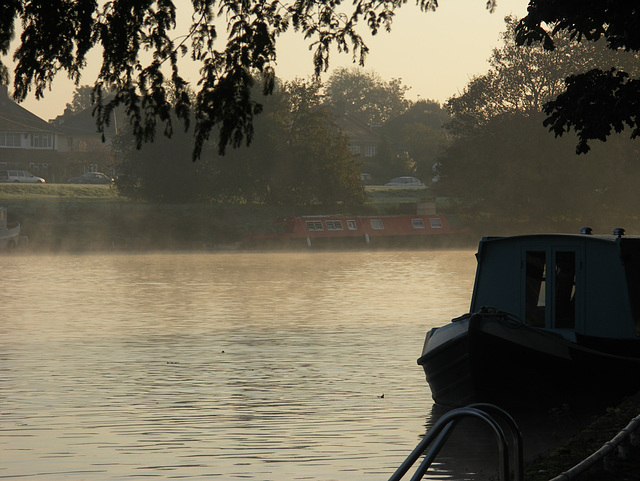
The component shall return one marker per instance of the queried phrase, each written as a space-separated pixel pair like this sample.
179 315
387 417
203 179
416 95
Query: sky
433 53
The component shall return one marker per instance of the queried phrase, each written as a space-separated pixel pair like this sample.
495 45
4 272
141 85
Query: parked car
405 181
91 178
20 176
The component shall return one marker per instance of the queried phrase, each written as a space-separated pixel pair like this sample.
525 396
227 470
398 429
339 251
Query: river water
281 366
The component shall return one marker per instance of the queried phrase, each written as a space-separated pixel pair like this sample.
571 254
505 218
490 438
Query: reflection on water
196 366
472 451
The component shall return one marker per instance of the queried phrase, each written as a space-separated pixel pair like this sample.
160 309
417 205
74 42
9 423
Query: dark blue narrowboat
553 317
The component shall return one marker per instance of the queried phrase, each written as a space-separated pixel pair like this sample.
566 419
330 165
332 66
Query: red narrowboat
343 230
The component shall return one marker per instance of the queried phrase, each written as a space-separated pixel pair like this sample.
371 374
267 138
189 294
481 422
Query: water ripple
226 366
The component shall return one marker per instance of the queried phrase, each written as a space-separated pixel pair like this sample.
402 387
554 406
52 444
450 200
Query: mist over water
223 366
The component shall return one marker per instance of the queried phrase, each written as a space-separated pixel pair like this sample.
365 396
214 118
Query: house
26 141
67 146
366 142
364 138
81 144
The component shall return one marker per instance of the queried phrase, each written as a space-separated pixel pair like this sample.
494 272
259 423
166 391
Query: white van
19 176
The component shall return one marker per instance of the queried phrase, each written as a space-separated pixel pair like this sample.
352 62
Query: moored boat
360 231
9 232
553 317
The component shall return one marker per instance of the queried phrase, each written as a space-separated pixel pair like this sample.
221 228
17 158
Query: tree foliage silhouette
595 102
140 55
233 42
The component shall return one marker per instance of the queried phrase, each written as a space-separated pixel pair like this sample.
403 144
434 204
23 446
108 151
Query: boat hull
499 360
362 242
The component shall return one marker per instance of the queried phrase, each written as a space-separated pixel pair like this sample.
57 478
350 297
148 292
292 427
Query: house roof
359 132
14 118
83 123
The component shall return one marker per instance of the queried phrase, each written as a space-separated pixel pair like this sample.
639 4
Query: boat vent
619 231
586 230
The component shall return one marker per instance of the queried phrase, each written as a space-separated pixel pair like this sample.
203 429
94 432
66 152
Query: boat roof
618 235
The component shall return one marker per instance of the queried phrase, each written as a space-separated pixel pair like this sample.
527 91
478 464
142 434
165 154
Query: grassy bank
623 464
52 192
62 217
90 224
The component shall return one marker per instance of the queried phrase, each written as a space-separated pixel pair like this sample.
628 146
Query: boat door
553 286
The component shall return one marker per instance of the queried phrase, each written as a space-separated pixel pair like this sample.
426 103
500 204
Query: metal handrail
436 437
516 437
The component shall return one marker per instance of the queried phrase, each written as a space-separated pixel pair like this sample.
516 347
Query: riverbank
98 226
63 218
622 465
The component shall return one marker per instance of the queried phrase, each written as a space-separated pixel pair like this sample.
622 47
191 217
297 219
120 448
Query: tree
502 162
365 94
140 55
58 34
421 137
298 157
81 99
516 174
162 171
524 79
596 101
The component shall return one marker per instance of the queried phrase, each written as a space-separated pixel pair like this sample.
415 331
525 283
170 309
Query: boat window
334 225
565 289
314 225
351 224
377 224
535 301
417 223
435 222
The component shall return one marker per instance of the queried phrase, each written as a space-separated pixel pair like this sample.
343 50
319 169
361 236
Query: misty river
282 366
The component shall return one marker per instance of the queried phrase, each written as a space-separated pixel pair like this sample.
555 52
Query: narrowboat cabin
358 231
552 317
